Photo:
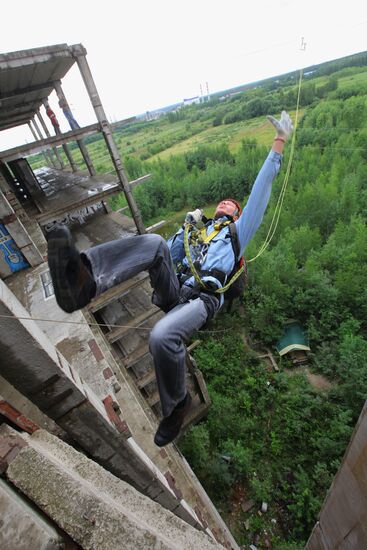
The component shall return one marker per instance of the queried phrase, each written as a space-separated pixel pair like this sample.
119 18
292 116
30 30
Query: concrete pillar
40 137
69 156
61 96
47 160
55 149
79 53
88 161
64 105
33 131
66 150
4 186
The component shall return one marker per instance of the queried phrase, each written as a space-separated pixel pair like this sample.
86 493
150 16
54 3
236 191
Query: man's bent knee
157 338
155 240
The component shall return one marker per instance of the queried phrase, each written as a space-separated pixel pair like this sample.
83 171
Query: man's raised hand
283 126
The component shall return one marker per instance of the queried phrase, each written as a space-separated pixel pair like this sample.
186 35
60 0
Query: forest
271 436
284 438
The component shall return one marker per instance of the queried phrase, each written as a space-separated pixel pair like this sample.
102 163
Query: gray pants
117 261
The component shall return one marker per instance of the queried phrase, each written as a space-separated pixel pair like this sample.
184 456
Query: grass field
161 139
232 134
359 78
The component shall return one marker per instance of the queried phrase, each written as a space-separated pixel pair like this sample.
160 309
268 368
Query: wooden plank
199 378
156 226
135 356
116 292
153 399
196 414
146 379
193 345
139 181
118 333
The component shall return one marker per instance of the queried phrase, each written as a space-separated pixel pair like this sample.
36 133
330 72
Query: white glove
284 126
194 217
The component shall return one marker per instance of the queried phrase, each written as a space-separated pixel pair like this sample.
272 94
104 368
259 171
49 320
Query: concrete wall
343 517
37 370
87 351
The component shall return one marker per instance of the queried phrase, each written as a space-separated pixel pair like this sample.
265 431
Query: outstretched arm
253 213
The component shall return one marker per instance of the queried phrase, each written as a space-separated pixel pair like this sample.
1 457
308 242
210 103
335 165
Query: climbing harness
199 237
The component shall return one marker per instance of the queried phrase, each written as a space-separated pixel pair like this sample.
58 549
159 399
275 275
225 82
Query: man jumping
79 277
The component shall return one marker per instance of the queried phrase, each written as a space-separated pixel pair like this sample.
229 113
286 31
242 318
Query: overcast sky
146 54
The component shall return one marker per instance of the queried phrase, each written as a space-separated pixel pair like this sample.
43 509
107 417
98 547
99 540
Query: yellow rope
278 207
196 275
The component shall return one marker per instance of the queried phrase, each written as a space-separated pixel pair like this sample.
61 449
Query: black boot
170 427
72 279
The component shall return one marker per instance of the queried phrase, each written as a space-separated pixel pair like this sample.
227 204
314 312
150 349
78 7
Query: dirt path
316 380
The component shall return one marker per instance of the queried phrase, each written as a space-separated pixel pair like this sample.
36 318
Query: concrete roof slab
27 77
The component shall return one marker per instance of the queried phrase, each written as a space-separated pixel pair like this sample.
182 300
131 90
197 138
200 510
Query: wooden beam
146 379
153 399
135 356
194 345
139 181
134 323
156 226
116 292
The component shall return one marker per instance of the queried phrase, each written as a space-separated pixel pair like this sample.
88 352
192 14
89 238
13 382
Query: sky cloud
145 54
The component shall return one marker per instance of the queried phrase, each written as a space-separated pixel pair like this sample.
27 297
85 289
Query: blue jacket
220 254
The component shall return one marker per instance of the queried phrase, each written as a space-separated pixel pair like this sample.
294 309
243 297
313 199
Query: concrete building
80 385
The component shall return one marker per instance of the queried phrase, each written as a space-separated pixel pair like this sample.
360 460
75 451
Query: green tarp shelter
294 338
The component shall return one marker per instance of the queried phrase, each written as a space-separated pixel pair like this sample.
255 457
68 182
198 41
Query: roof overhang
28 77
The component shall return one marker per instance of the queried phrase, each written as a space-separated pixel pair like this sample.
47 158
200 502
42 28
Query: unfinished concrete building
78 398
81 386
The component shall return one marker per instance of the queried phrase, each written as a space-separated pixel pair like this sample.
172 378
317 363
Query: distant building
192 100
153 115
